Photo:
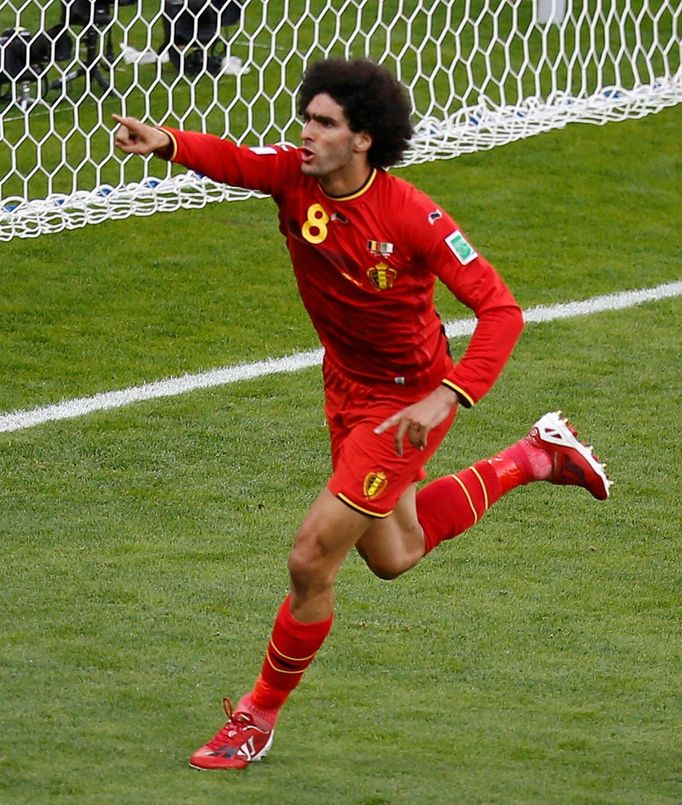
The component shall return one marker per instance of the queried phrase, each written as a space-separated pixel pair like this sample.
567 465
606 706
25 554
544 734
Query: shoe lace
236 723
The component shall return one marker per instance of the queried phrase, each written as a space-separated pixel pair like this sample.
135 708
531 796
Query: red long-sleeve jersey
366 266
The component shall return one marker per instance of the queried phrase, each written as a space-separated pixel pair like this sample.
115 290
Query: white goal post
480 73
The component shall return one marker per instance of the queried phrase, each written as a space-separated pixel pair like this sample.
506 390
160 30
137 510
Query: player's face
329 146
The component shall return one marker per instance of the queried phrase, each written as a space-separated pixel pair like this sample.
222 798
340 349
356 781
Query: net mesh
480 73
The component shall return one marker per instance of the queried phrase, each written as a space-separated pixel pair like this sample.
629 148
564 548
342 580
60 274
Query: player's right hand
135 137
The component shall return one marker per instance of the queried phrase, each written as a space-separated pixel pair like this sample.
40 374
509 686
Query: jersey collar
356 193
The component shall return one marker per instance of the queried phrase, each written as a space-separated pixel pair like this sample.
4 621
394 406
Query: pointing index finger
387 423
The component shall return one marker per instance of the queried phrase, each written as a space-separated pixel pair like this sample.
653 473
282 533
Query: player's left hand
418 419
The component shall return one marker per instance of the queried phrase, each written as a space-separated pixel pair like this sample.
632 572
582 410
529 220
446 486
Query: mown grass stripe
70 409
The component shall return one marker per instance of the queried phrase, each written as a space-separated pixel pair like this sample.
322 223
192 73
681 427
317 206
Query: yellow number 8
315 228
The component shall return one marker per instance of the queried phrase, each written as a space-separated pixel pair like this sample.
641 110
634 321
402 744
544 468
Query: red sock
264 718
520 464
450 505
291 650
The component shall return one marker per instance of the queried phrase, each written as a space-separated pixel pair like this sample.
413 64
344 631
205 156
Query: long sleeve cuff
464 398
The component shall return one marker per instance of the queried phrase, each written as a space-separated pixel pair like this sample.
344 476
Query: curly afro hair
373 100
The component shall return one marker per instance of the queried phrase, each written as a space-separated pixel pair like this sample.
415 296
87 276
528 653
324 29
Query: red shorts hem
378 515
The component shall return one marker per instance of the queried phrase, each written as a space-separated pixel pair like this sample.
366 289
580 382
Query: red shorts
368 474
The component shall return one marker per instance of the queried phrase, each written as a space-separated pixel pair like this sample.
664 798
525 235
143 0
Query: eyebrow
324 119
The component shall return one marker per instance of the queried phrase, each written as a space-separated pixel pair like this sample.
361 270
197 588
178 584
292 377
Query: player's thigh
393 545
327 534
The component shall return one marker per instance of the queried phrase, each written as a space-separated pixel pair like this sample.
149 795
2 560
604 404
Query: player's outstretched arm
135 137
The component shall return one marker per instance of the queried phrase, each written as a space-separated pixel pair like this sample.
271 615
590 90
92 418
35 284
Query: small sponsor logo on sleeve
263 150
459 246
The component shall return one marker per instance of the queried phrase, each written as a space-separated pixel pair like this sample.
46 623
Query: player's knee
309 566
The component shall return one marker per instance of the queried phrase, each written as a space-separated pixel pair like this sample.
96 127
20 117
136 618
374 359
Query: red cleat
573 462
237 744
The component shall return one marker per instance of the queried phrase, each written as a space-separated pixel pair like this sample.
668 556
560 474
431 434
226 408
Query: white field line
70 409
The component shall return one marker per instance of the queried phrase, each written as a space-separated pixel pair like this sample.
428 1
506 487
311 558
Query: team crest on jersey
379 249
375 484
382 276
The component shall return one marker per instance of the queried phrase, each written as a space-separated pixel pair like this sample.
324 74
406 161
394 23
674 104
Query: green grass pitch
142 551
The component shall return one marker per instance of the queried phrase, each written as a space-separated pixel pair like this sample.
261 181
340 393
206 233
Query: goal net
480 73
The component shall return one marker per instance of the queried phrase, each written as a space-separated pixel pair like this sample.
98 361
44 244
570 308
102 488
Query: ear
363 141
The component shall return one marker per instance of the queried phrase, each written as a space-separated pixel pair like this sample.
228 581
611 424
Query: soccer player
367 248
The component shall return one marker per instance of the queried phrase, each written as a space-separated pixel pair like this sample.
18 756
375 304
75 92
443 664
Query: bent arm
499 325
